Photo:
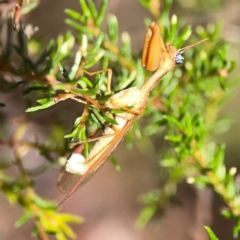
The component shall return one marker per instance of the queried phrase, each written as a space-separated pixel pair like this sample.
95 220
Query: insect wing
73 183
66 180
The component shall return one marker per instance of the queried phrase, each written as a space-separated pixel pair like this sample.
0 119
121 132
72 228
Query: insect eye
179 59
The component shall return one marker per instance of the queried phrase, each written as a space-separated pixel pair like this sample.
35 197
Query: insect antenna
182 50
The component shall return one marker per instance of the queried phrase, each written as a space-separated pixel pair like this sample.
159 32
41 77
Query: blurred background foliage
178 141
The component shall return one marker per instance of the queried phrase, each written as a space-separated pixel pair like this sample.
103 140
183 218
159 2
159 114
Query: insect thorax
132 98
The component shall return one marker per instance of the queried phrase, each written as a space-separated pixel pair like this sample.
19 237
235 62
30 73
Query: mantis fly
156 57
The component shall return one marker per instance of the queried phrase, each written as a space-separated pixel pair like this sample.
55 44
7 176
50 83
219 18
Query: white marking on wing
76 164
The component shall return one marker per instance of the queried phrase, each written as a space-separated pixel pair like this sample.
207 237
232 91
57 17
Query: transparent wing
66 180
69 183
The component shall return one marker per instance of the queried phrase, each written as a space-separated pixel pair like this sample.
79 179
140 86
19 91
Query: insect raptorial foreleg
90 140
93 101
109 71
65 96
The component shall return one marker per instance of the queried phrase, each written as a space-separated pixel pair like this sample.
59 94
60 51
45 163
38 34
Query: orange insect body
154 50
133 100
156 55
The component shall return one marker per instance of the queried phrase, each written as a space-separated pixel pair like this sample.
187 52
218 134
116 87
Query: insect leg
109 71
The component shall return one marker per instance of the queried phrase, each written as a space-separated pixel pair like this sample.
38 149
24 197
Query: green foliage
184 106
211 234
